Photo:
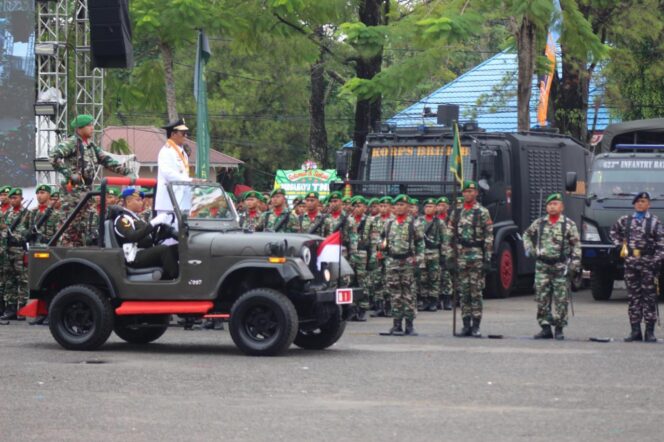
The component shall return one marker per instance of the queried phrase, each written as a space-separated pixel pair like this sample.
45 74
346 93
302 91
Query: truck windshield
624 183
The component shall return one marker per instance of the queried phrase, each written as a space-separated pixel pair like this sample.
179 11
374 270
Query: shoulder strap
411 234
476 219
562 243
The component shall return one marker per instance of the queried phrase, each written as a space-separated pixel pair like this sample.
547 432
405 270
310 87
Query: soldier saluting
640 237
554 241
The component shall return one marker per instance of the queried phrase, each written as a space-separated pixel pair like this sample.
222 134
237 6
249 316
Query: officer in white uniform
173 165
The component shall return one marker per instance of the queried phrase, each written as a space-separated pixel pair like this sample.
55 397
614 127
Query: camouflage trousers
430 275
358 261
16 278
445 282
379 290
78 234
400 278
641 291
471 284
551 294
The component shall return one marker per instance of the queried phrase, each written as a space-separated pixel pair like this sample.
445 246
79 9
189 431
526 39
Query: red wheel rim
506 269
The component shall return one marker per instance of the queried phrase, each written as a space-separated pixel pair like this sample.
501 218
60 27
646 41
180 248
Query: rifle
11 241
569 292
316 226
35 234
282 221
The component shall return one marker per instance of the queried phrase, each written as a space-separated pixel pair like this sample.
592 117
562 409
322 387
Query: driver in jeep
137 237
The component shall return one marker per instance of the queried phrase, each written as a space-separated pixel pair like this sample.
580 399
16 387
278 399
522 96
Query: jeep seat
133 274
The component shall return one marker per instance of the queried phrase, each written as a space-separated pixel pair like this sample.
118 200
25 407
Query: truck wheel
141 329
263 322
80 317
501 282
323 336
601 283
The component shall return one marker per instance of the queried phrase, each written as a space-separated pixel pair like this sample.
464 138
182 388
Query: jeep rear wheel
323 336
263 322
80 317
141 329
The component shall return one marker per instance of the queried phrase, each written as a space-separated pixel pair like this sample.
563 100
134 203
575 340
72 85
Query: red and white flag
330 249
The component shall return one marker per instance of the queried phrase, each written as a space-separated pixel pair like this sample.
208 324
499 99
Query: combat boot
9 314
361 315
545 333
420 306
559 333
447 302
432 305
635 335
650 332
396 327
410 329
379 311
475 331
465 331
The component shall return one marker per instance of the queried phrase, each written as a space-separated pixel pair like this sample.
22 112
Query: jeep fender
292 268
502 231
79 262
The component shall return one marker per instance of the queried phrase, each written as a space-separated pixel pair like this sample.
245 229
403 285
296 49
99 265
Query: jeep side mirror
570 181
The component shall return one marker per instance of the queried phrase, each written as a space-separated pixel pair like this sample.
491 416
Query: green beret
443 199
44 187
554 197
298 201
82 121
401 198
430 201
358 199
252 194
5 189
413 201
335 195
347 199
279 191
232 197
16 191
116 192
386 200
460 199
373 201
312 195
148 191
469 184
55 192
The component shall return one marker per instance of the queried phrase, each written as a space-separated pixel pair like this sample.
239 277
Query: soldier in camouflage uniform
312 220
359 251
4 199
442 208
56 203
347 203
472 231
16 274
381 294
403 248
337 220
640 237
433 244
554 241
77 159
276 219
250 217
4 207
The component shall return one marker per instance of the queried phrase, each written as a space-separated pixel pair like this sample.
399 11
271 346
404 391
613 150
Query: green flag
456 162
200 93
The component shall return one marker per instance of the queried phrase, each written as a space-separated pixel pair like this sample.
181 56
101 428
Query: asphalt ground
195 385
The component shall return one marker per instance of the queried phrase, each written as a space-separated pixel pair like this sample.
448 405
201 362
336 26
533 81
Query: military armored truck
631 160
515 171
268 286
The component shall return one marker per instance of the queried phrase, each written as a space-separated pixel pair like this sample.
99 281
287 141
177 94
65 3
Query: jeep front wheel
323 336
263 322
80 317
141 329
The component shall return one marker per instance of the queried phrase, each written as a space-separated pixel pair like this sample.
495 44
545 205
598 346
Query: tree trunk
526 44
367 112
317 130
167 57
572 99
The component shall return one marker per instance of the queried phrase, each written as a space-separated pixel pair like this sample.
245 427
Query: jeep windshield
205 206
622 179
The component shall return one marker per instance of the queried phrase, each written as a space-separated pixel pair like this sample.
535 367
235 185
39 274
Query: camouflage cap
5 189
639 196
554 197
469 184
443 199
312 195
279 191
43 187
16 191
401 198
82 121
386 200
430 200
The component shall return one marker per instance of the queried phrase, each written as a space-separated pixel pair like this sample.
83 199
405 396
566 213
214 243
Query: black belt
400 255
637 253
549 260
433 247
471 243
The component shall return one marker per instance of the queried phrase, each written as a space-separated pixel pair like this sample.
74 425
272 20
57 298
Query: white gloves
162 218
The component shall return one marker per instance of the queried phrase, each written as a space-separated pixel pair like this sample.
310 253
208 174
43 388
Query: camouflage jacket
73 156
17 236
248 222
305 224
472 232
436 236
647 235
403 239
341 222
552 245
376 226
48 226
269 221
360 233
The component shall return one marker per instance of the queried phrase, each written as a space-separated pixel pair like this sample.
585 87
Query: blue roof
475 93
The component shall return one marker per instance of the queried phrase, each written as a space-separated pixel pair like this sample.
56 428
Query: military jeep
268 286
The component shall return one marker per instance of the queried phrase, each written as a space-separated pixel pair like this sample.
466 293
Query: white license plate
344 296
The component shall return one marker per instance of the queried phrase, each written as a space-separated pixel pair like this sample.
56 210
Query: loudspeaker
110 34
447 114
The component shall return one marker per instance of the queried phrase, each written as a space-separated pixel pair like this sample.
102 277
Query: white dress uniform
173 165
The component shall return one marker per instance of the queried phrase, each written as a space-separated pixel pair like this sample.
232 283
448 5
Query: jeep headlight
590 232
327 275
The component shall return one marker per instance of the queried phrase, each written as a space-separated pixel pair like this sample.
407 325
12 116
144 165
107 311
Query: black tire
263 322
141 329
80 317
501 281
322 337
601 283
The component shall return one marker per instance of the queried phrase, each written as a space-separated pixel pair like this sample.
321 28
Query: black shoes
410 330
635 335
466 330
559 333
650 332
360 315
545 333
8 315
475 330
39 320
396 327
447 302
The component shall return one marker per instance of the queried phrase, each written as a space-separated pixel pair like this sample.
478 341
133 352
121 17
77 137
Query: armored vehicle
268 286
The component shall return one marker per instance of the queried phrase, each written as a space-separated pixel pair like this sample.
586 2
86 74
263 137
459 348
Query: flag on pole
456 161
200 93
330 249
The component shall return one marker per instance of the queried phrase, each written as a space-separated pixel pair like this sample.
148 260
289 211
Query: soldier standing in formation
250 217
442 208
312 220
472 231
554 242
277 218
4 199
359 251
433 245
379 287
403 248
640 237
